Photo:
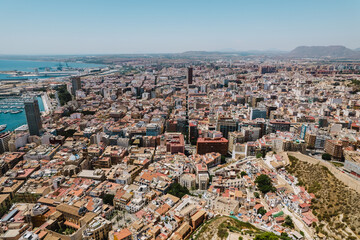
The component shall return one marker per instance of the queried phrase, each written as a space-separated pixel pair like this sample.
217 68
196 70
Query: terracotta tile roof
73 225
163 209
124 233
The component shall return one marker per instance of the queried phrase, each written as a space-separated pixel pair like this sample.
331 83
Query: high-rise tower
189 75
76 84
33 116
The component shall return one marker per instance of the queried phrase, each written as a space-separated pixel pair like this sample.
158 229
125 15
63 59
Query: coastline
31 68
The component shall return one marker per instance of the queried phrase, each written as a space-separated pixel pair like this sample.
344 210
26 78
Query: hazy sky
154 26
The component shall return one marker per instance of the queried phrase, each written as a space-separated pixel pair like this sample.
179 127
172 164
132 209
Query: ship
15 112
3 127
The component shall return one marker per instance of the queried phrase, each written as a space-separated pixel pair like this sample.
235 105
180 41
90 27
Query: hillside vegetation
220 228
336 205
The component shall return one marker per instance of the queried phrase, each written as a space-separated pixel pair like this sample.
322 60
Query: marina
13 73
12 113
12 106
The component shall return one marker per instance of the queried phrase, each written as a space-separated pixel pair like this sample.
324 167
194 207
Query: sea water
14 120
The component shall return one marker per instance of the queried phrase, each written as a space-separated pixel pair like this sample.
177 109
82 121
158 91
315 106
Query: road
299 223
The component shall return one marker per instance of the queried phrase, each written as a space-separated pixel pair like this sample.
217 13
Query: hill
220 227
324 52
335 205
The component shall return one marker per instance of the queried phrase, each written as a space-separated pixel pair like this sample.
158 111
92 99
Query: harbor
11 106
12 113
25 69
19 77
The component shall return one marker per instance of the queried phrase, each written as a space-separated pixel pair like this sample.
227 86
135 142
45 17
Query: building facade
33 116
208 145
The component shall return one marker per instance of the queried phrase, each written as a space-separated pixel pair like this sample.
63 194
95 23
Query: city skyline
113 27
175 120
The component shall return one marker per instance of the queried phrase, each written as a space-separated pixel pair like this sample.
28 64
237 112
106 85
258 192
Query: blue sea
15 120
30 66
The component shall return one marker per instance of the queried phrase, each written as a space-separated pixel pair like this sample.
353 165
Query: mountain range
324 52
319 52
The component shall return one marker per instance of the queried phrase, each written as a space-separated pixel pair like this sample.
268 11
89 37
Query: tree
3 210
326 157
177 190
108 199
69 231
63 94
266 236
223 159
261 211
288 222
69 133
256 195
259 155
243 173
284 236
264 184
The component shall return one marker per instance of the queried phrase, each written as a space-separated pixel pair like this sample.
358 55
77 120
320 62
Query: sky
169 26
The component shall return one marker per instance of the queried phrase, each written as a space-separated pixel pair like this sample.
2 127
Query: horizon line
155 53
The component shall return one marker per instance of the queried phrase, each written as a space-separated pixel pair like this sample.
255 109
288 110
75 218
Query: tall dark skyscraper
190 75
33 116
76 84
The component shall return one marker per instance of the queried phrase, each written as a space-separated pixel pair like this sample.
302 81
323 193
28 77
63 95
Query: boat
15 112
3 127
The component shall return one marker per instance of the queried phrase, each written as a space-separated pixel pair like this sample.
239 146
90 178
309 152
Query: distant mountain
357 49
323 52
229 53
